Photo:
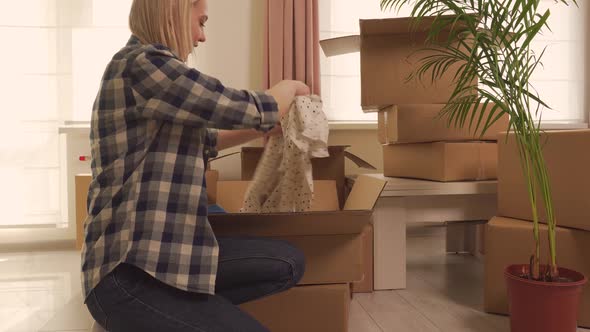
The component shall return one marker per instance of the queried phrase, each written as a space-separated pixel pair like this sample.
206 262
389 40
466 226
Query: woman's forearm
230 138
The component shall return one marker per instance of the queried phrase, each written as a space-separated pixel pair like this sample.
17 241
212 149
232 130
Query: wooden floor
444 293
40 291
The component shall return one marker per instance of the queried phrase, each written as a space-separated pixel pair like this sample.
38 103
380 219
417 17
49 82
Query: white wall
233 50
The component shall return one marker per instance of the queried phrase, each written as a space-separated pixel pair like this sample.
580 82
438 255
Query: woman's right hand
285 92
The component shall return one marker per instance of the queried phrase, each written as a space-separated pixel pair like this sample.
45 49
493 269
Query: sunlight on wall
92 49
560 82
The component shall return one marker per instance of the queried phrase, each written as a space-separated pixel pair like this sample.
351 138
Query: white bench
457 205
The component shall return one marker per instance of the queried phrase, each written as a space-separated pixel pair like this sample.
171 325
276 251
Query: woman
151 261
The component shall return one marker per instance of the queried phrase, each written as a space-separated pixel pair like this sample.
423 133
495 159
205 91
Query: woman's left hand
276 131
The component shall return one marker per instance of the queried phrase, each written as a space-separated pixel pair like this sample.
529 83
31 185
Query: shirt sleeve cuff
211 143
268 108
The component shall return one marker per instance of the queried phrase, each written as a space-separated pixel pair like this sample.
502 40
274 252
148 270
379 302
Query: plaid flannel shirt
151 134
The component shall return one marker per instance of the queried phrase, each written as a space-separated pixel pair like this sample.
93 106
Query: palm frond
486 45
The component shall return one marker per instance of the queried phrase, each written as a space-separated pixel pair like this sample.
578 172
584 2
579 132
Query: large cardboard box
568 161
391 50
331 240
366 285
334 242
441 161
510 241
420 123
330 168
322 308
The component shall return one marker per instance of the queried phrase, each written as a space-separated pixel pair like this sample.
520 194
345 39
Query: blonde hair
167 22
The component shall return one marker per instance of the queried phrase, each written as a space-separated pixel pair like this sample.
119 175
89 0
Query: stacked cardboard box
416 143
509 238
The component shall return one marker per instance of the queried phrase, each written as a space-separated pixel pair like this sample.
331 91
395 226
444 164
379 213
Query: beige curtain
291 43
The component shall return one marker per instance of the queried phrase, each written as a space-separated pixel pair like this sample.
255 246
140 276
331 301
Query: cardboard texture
364 194
420 123
330 168
572 253
211 178
334 242
366 284
390 51
232 194
331 241
568 163
82 183
307 308
441 161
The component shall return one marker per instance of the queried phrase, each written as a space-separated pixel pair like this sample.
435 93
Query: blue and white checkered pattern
153 127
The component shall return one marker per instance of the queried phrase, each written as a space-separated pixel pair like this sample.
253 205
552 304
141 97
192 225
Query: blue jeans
215 209
128 299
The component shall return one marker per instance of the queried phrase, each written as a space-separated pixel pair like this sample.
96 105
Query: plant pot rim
580 279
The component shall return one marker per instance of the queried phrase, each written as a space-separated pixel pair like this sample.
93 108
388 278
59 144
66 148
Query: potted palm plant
490 40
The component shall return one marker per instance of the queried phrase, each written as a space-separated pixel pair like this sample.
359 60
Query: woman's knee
253 260
296 259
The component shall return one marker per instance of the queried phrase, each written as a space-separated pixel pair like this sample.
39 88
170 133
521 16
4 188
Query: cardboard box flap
364 193
231 195
290 224
218 158
400 25
224 156
359 161
251 156
388 26
341 45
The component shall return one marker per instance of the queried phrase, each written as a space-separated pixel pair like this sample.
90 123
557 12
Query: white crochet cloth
283 180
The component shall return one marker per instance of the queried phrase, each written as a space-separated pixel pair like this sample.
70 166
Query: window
55 54
561 82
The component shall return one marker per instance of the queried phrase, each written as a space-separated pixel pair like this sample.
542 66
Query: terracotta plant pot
537 306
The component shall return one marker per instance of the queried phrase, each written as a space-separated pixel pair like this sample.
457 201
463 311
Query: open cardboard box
391 50
331 240
330 168
334 241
